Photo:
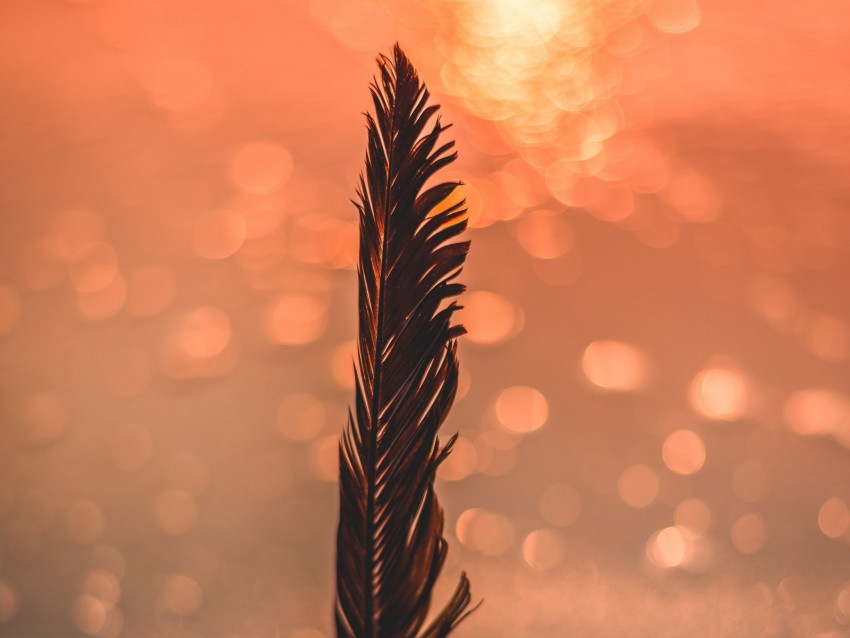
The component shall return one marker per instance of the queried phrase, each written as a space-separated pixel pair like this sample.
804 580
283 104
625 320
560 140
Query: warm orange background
655 402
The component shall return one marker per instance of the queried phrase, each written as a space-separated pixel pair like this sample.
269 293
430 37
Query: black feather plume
390 545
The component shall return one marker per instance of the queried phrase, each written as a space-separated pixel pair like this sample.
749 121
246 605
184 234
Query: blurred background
654 412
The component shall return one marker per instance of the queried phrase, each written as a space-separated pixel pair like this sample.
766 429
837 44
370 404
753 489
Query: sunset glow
653 402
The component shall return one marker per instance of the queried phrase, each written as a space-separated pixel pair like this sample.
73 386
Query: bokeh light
544 234
719 393
176 512
460 463
9 602
521 409
95 268
219 234
615 366
691 195
102 585
495 453
827 337
638 485
542 72
748 533
683 452
674 16
296 320
670 547
543 549
103 303
89 615
110 560
200 345
325 458
842 604
176 80
261 167
342 364
819 412
489 318
487 532
834 518
182 595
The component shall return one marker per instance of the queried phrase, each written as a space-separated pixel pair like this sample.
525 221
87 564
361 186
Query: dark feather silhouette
390 545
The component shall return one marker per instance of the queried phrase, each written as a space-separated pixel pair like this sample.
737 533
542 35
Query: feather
390 545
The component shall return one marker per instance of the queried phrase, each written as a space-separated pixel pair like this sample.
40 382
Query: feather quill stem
390 545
